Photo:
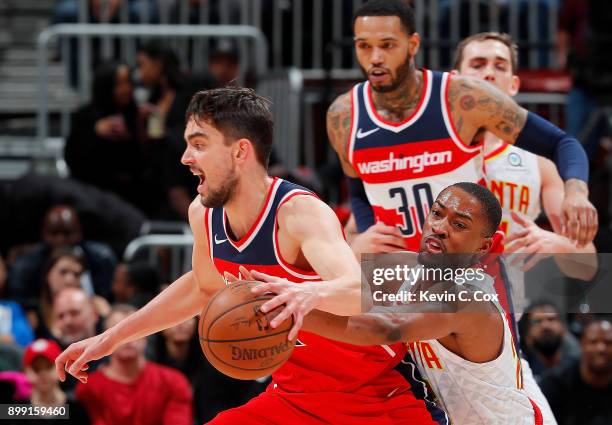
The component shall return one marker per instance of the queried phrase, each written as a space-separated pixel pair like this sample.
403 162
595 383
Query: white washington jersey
488 393
513 175
405 165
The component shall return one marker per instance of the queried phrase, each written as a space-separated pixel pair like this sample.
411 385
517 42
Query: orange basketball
236 336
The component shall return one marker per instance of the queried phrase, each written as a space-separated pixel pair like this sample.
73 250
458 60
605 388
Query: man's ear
414 43
454 72
242 149
515 86
485 246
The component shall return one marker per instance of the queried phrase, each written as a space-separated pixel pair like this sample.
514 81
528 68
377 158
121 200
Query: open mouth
434 245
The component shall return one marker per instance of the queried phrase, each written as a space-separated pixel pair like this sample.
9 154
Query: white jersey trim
396 129
279 259
354 121
447 118
262 220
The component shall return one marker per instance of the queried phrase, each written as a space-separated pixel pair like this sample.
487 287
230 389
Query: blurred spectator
545 340
61 227
39 366
25 201
67 11
580 393
64 269
131 390
75 318
169 185
14 326
584 39
10 357
135 283
179 347
224 63
103 148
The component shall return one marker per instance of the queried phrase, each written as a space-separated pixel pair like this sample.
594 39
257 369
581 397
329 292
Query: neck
53 397
491 142
177 350
125 371
598 380
403 99
247 201
551 361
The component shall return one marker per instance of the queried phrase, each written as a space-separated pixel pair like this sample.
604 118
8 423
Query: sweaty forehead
456 199
378 27
488 49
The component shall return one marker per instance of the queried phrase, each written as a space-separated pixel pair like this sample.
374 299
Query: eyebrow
197 134
482 58
382 39
459 213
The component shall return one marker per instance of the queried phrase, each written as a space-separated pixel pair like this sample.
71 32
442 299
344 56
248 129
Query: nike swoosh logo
219 241
362 134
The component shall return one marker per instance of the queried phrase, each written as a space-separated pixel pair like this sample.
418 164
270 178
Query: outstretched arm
181 300
477 105
382 328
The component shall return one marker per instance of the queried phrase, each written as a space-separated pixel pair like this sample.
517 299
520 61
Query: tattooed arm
338 130
476 106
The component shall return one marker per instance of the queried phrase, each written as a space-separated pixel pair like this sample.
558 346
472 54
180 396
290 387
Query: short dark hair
400 8
238 113
503 38
490 205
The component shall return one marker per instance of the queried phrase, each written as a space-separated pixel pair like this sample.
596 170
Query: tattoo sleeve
477 105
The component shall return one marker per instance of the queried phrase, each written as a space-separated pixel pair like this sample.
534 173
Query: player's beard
401 74
218 197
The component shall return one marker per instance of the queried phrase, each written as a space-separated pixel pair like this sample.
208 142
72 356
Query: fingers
515 236
270 287
583 230
275 302
264 277
296 327
60 362
520 220
283 315
246 275
571 225
78 368
230 277
593 224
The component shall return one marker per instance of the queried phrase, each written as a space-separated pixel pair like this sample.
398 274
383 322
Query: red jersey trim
294 271
538 419
241 244
496 152
396 127
448 120
207 224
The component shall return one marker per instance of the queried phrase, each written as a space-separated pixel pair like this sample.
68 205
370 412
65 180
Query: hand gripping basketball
237 337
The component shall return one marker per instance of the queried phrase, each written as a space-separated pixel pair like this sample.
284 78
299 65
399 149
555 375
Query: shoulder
306 215
339 119
196 215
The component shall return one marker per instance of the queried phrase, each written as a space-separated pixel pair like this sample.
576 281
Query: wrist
576 187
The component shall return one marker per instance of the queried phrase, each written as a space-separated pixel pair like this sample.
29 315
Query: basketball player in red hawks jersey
405 134
511 172
243 217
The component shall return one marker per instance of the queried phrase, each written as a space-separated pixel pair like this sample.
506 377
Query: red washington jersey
317 364
405 165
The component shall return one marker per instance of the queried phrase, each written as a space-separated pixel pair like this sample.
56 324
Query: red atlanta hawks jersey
317 363
405 165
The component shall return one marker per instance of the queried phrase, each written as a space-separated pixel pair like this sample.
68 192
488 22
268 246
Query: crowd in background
124 153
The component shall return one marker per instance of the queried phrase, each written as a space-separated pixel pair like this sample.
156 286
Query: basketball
236 337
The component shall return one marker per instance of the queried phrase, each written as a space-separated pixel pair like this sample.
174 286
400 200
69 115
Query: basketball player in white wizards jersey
467 358
521 181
